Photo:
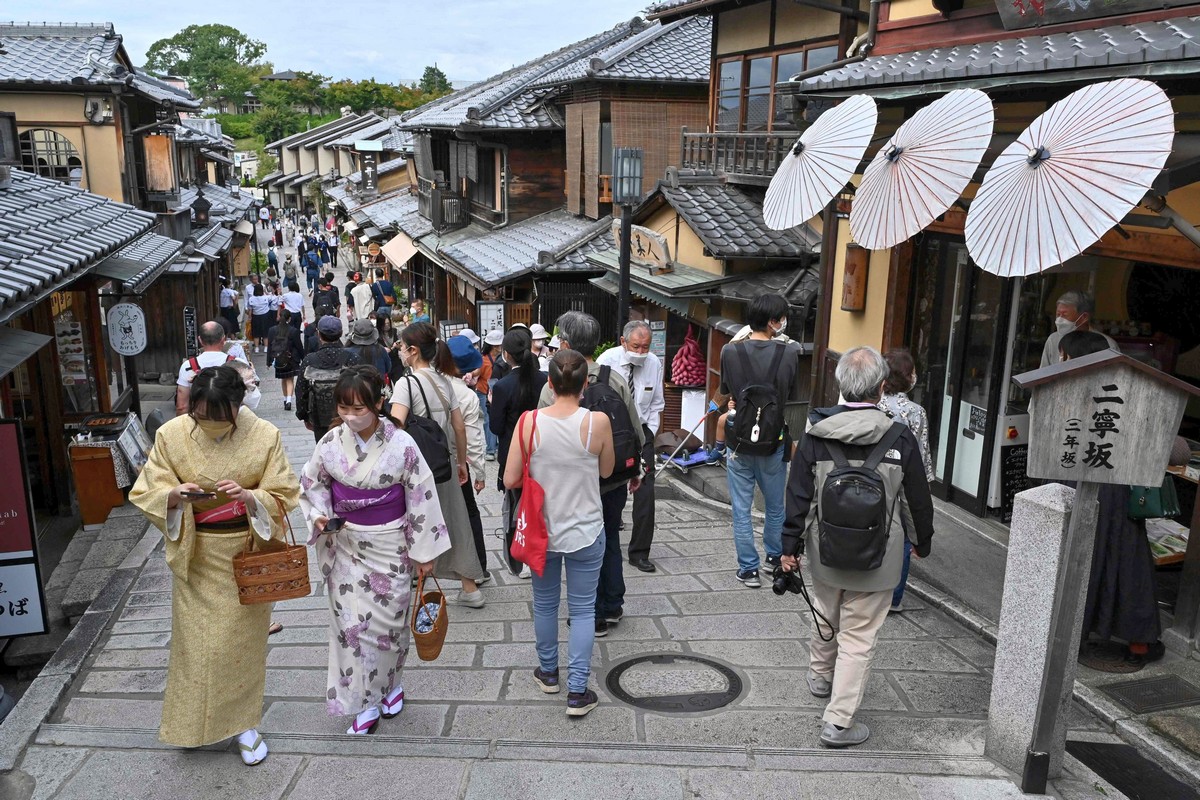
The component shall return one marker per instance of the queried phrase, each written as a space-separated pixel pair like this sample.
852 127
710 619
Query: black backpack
280 349
429 436
853 518
321 404
600 396
757 429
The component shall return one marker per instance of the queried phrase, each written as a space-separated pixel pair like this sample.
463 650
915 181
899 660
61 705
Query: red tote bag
531 538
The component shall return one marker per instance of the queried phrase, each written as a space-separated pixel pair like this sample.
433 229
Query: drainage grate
674 682
1153 694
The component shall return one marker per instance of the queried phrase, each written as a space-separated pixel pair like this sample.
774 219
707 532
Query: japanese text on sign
1104 422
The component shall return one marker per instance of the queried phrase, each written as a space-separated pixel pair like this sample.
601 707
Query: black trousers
468 491
610 592
643 504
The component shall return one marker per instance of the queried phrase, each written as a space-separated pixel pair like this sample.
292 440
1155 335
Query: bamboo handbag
278 573
429 629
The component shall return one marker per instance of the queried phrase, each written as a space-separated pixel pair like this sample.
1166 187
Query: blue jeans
583 573
769 473
898 594
491 440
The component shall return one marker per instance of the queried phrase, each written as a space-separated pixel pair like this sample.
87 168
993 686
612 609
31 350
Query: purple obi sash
368 506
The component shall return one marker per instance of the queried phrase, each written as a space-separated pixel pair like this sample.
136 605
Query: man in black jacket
319 371
854 601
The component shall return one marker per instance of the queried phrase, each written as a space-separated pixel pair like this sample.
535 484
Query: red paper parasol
820 164
922 170
1070 177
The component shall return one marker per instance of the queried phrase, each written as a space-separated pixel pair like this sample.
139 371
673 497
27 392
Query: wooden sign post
1100 419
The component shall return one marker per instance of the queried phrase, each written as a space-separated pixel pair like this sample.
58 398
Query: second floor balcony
742 157
445 210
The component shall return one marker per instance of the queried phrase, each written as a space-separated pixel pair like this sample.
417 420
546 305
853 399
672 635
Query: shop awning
186 266
245 227
349 226
138 263
399 250
611 284
17 346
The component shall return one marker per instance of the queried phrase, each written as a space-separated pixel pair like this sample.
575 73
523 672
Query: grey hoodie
903 474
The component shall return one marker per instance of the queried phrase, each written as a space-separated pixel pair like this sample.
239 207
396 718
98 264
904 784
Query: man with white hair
856 474
1072 312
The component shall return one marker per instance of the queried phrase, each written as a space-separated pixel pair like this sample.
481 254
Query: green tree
435 82
307 91
219 61
267 163
274 123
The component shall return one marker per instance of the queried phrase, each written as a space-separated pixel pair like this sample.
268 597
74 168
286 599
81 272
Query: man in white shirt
228 302
643 371
293 301
364 298
1072 312
248 290
212 354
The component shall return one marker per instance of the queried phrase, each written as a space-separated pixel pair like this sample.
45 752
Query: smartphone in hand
335 524
199 495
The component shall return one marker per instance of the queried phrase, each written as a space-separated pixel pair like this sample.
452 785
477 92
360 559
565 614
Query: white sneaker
252 747
526 573
470 599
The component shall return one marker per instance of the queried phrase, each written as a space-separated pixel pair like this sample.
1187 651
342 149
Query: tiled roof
671 5
339 192
372 131
328 138
226 206
730 222
76 55
414 225
498 256
511 99
51 232
213 242
1114 46
333 126
678 52
280 180
138 263
397 140
387 210
386 168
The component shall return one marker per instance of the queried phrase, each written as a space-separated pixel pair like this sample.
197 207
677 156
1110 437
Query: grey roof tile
389 209
51 232
138 263
397 140
554 241
1141 43
76 55
678 52
730 223
341 124
375 130
512 99
226 206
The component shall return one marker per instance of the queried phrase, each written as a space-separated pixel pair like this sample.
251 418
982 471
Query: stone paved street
475 726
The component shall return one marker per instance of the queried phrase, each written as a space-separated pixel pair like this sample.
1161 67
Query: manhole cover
674 682
1153 694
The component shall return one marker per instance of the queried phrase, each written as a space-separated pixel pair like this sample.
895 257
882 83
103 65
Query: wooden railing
606 188
444 209
742 157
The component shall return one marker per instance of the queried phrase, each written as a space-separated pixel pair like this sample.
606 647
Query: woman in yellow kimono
214 475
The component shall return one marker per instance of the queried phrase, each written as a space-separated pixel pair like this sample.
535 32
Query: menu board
70 342
658 338
135 444
1013 476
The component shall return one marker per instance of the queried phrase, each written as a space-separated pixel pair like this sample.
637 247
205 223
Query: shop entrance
957 335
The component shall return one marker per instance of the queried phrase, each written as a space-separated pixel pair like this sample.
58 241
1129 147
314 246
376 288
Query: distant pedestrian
285 351
570 451
854 570
333 250
385 293
319 373
293 301
370 474
364 298
364 343
327 295
418 312
228 303
466 360
272 258
215 476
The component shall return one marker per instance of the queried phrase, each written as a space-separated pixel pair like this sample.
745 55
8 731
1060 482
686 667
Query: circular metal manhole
674 682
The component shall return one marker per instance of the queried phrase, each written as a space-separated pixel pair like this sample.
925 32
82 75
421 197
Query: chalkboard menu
1013 477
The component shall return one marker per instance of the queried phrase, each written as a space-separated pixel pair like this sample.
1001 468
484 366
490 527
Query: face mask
214 428
637 359
358 422
782 327
415 310
252 397
1064 325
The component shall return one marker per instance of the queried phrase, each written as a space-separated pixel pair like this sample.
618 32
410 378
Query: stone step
382 745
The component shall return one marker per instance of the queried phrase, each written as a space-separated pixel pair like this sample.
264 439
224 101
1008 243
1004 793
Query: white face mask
782 327
637 359
253 396
358 422
1065 325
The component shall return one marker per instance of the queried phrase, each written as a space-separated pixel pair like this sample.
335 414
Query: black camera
782 582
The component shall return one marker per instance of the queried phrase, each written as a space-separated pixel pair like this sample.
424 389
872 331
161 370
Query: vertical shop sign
22 604
189 331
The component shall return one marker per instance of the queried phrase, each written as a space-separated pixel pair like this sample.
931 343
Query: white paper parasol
922 169
1073 174
821 163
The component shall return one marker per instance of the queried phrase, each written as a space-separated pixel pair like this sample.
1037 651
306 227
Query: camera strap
817 616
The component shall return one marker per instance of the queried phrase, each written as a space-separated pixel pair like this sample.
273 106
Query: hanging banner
190 332
22 604
127 329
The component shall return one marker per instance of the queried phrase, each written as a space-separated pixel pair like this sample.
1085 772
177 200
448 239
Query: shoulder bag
530 539
429 436
1152 502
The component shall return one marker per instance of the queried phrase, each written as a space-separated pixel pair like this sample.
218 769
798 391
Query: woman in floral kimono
370 474
214 475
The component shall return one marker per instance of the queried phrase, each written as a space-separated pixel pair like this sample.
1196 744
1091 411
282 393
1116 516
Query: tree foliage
434 82
276 122
307 91
219 61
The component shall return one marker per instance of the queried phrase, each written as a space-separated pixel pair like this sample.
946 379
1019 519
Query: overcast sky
389 40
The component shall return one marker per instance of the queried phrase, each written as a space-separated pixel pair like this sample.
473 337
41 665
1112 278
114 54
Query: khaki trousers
846 661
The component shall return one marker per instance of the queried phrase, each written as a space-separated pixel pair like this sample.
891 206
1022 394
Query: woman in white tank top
571 450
